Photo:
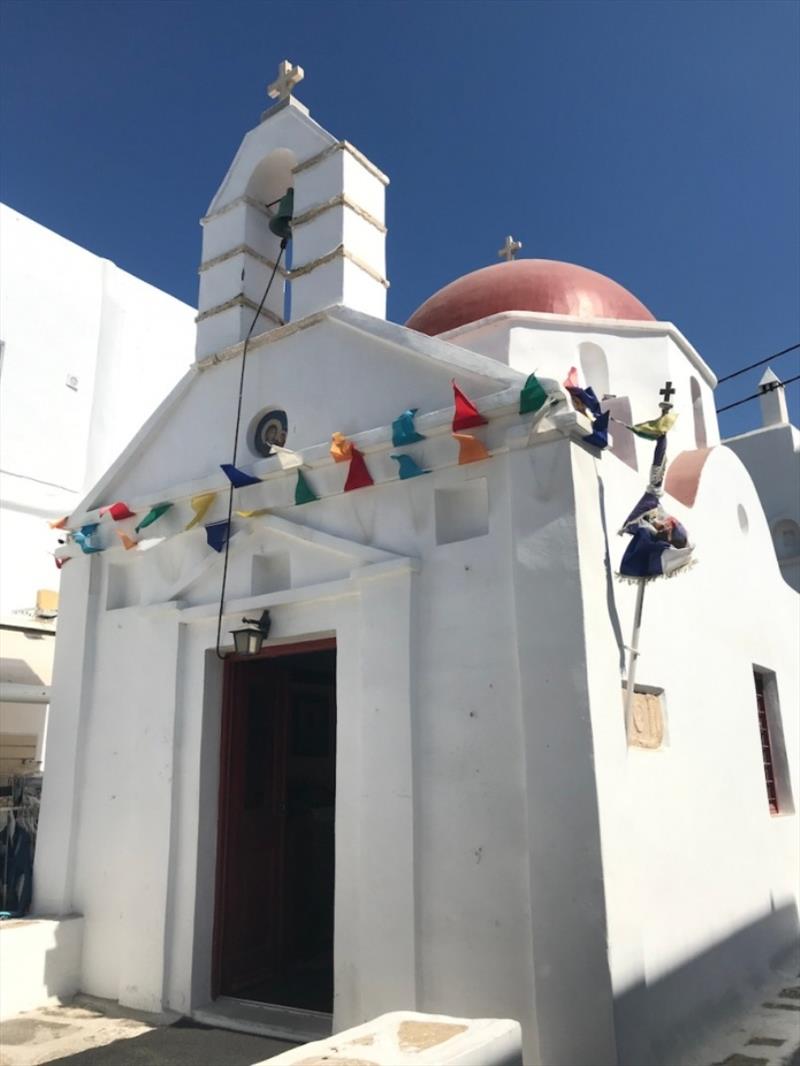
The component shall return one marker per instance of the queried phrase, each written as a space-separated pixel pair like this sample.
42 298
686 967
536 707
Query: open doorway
273 926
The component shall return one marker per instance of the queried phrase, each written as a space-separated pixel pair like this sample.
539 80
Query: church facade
422 792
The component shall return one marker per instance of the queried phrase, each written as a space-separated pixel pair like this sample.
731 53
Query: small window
765 694
786 536
269 428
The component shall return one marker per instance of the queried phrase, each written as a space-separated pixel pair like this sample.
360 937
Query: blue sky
655 142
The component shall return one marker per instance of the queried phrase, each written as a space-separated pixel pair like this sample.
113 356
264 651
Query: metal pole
634 655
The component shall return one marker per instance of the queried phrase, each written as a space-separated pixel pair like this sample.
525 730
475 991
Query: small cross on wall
288 76
667 392
509 249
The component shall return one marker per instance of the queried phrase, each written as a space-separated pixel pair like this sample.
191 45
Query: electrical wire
755 396
761 362
236 441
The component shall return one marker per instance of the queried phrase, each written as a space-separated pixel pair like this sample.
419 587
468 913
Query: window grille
766 744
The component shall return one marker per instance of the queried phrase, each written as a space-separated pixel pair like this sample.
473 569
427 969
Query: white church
415 781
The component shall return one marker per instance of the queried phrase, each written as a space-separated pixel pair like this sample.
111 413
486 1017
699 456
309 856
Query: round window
269 428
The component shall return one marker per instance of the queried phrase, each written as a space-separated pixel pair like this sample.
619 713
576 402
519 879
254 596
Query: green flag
153 515
532 396
303 492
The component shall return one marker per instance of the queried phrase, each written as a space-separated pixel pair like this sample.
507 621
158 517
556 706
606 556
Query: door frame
229 690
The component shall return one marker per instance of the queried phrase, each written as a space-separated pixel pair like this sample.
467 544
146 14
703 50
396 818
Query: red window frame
766 743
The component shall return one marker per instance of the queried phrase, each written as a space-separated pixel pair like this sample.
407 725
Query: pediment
345 371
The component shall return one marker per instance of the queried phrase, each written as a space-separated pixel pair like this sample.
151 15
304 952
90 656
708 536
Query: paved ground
91 1032
768 1034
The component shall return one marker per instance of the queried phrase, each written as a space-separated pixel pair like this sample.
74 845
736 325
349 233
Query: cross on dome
509 249
288 76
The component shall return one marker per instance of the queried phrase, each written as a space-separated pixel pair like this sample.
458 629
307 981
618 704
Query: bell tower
337 248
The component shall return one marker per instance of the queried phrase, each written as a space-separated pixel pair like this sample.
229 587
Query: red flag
358 477
571 381
60 562
118 511
466 414
59 523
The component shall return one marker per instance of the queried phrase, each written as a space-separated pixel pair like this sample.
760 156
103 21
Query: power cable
236 441
769 388
752 366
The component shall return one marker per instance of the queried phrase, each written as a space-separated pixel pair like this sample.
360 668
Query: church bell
281 222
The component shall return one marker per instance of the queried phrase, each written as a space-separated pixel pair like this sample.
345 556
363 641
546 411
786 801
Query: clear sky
655 142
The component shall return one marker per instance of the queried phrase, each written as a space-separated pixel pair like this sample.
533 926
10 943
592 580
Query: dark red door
274 909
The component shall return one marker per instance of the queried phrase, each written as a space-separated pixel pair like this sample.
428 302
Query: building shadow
186 1043
657 1022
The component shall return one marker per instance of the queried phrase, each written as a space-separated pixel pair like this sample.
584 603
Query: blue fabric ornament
598 438
237 477
408 467
403 431
217 534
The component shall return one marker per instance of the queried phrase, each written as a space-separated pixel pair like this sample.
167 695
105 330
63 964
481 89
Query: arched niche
623 442
595 367
272 177
700 438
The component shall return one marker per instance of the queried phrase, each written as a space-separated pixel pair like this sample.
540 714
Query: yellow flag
200 505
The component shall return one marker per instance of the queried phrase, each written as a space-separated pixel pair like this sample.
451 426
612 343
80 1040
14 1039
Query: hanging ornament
403 430
408 467
200 505
119 511
466 414
303 493
358 477
470 449
153 515
341 448
237 477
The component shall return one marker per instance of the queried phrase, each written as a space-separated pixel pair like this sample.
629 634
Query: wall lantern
249 639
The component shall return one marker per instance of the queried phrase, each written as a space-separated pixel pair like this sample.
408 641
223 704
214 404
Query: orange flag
59 523
127 542
470 449
341 448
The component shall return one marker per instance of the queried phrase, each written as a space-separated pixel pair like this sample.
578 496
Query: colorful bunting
571 380
358 477
470 449
118 511
60 523
217 534
584 400
303 493
237 477
403 429
83 538
127 542
598 438
155 512
656 427
532 396
466 414
253 514
200 505
60 561
408 467
341 448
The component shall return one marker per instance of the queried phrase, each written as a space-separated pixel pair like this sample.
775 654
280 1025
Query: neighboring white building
772 457
421 795
88 352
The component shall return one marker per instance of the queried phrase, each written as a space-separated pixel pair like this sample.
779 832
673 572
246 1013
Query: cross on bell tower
288 76
509 249
667 392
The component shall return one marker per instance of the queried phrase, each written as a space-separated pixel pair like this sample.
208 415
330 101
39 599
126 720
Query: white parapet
407 1037
40 962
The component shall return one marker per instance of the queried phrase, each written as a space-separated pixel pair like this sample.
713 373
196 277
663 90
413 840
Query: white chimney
774 411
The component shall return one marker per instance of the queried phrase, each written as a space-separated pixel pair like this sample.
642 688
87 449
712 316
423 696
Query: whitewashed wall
68 314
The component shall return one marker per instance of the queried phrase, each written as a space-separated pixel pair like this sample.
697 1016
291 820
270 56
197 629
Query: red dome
527 285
